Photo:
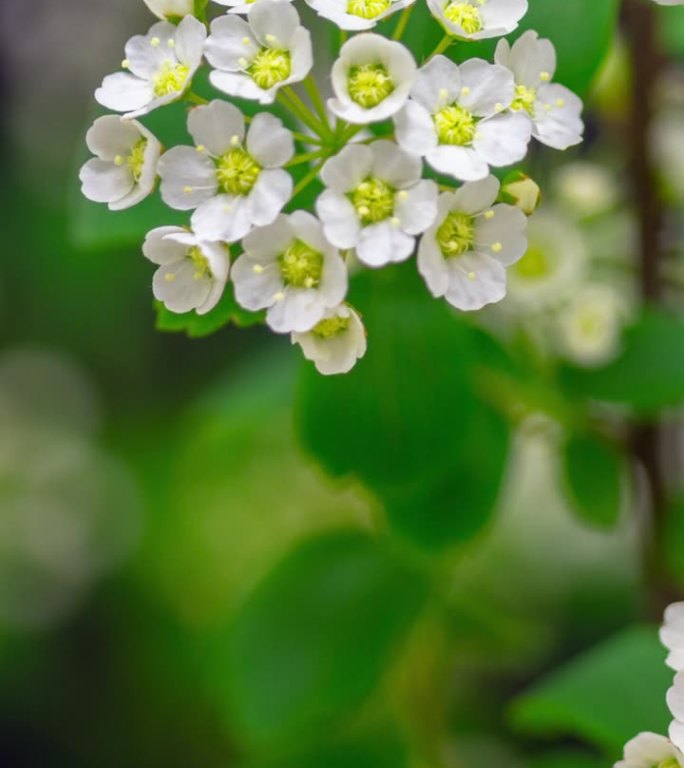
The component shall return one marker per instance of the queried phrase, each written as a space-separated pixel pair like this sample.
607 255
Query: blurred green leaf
648 375
593 470
409 420
567 760
315 638
671 27
198 326
606 696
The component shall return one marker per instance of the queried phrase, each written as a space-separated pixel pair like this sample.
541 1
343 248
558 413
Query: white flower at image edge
335 343
672 635
464 255
478 19
124 170
254 58
376 202
455 118
240 6
371 79
355 15
192 271
675 702
160 67
165 9
234 178
649 750
290 269
555 111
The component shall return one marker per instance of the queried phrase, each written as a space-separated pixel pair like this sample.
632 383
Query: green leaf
315 638
198 326
567 760
606 696
409 421
648 375
593 470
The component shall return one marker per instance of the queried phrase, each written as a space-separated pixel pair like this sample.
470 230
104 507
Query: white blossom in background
675 702
192 271
254 58
160 67
649 750
478 19
672 635
669 2
371 79
234 178
555 111
165 9
357 15
591 325
376 202
290 269
464 255
124 170
336 342
456 120
586 188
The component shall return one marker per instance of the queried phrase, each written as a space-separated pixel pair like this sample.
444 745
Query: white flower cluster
419 182
649 750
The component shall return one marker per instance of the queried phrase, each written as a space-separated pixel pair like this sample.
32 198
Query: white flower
675 701
478 19
586 188
669 2
464 255
192 271
455 118
336 342
672 635
290 269
161 66
255 58
648 750
376 202
357 14
240 6
235 183
124 170
371 79
553 266
165 9
591 324
555 111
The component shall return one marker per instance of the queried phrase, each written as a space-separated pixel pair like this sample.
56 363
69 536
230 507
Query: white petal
489 86
190 37
160 249
475 280
558 122
256 286
299 310
339 353
473 197
123 92
242 86
432 265
231 40
269 195
346 170
266 244
503 235
222 218
394 165
188 178
415 129
269 142
340 220
214 125
462 163
416 208
438 83
111 136
383 243
528 59
503 140
177 286
104 182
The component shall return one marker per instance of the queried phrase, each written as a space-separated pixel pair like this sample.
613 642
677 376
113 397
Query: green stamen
533 265
170 78
456 235
455 125
269 67
369 84
525 98
200 262
331 326
237 171
368 9
136 159
373 200
301 266
465 16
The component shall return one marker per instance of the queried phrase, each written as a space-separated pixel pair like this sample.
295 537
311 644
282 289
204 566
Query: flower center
301 266
534 265
237 172
373 200
525 98
465 16
331 326
369 84
454 125
136 159
269 67
200 262
367 9
456 234
170 78
670 762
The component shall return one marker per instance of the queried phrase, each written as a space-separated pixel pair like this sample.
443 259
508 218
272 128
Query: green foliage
649 373
198 326
606 696
410 420
593 470
315 638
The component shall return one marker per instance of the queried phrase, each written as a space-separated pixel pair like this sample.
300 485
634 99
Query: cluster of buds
399 156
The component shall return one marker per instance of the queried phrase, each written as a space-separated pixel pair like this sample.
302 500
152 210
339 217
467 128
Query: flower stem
443 44
308 179
306 158
317 100
402 23
306 114
195 98
304 138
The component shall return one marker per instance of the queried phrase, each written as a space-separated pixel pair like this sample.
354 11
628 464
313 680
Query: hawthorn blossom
160 64
455 118
464 255
478 19
235 181
357 15
336 342
376 202
290 269
171 9
257 57
124 170
649 750
240 6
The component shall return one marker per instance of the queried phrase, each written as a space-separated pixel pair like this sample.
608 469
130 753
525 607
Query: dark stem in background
640 20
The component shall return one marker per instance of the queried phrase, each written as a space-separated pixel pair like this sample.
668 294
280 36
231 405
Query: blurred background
451 558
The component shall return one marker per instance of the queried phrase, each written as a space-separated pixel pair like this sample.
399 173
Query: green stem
308 179
443 44
304 138
305 117
195 98
402 23
306 158
343 37
317 100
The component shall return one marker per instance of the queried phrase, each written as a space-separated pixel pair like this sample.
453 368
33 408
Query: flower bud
171 9
520 190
